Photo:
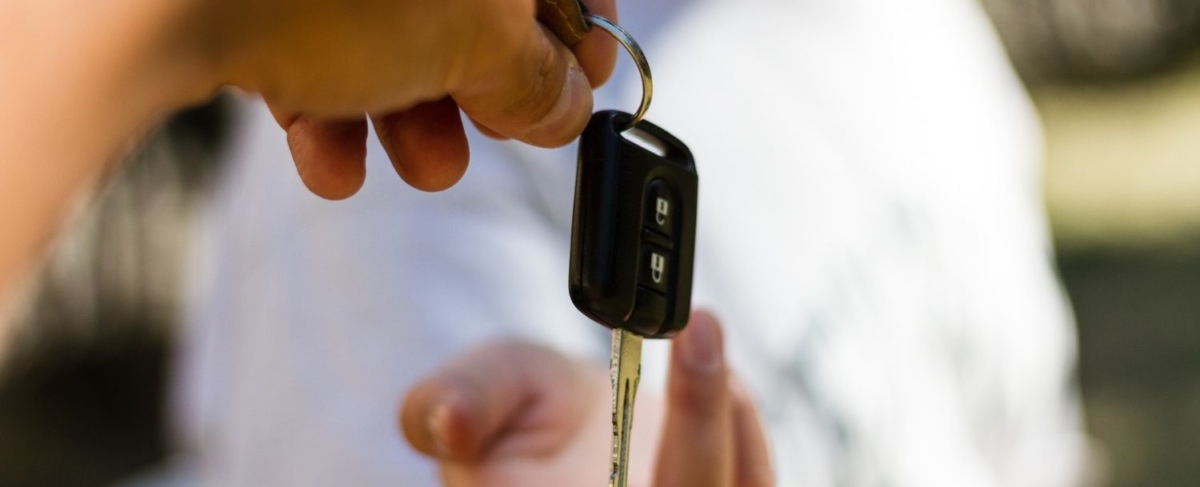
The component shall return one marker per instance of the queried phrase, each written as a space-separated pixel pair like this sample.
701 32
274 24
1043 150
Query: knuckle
537 97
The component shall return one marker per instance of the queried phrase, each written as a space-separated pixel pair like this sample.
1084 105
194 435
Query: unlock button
654 272
660 207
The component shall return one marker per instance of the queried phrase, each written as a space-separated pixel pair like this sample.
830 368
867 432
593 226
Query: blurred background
1117 83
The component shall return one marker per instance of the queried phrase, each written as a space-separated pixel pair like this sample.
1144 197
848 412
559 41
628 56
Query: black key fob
634 231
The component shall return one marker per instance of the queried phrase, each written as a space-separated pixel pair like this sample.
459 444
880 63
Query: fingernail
701 347
566 119
439 422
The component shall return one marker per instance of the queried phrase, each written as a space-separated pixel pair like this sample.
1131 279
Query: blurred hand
518 415
409 65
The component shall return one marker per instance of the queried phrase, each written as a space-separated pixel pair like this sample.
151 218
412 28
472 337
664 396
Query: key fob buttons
634 228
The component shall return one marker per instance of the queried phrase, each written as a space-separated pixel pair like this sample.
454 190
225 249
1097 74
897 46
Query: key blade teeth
626 371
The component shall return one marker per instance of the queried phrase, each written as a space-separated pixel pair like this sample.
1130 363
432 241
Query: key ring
639 58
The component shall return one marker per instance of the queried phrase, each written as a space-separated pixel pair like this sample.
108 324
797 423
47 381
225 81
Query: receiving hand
519 415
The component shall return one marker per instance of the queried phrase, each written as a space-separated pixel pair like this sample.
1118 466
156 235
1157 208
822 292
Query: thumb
530 87
496 395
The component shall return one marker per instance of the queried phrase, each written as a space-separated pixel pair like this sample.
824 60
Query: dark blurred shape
81 395
83 418
1139 319
1095 40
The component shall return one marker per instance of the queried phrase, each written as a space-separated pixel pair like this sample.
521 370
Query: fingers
526 395
753 462
523 83
330 155
534 91
597 53
426 144
697 445
487 132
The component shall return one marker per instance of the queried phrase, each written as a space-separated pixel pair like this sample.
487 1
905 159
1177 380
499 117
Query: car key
634 227
632 247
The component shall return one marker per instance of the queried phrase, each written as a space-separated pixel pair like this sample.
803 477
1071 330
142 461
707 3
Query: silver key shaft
626 372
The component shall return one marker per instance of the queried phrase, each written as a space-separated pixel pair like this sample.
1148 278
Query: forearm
79 81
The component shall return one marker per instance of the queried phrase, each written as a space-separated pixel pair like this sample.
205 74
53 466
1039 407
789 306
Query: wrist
78 82
174 52
144 54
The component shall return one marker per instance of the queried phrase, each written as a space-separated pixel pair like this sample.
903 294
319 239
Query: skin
516 415
80 81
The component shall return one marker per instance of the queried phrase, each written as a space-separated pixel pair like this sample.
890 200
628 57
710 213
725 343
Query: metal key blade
626 371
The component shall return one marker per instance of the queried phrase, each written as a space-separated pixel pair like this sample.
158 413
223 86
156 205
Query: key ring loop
639 58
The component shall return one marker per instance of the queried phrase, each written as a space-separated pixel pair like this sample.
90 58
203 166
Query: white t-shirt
870 233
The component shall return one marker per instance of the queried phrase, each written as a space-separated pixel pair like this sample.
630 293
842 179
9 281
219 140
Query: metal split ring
639 58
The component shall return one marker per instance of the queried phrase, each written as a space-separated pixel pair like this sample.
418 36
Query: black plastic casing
611 231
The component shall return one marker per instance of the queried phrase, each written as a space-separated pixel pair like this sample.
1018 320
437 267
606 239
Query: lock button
655 270
660 207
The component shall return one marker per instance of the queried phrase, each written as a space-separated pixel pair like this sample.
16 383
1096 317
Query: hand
79 79
410 65
518 415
